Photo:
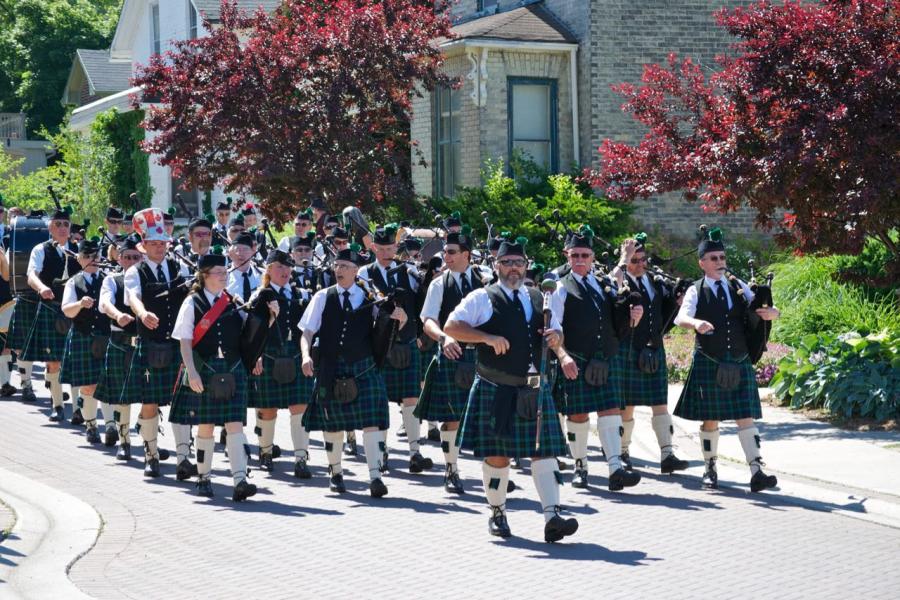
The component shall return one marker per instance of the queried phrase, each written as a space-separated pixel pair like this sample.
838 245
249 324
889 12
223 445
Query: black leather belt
499 377
121 338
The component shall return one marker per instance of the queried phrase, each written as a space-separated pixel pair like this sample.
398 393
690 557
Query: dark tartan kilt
639 388
111 385
403 383
191 408
46 345
152 386
79 367
22 320
703 400
476 432
370 409
425 357
441 399
265 392
576 397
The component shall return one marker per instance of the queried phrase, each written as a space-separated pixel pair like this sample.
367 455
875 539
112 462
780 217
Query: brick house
536 77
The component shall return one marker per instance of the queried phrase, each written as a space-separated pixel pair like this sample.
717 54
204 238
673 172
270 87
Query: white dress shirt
413 283
133 278
69 294
312 317
235 285
36 258
558 299
476 308
431 308
184 322
689 304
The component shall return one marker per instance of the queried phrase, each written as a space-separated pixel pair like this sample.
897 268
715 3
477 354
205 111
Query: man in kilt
50 265
643 357
277 381
88 336
594 317
451 372
721 384
7 306
111 386
402 367
349 391
505 416
155 289
214 389
303 274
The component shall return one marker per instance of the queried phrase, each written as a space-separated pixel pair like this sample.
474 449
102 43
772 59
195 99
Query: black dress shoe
276 451
204 488
622 479
186 469
760 481
562 466
111 435
93 435
265 463
151 468
710 479
222 436
418 463
580 479
124 452
164 454
350 448
243 490
28 394
557 528
385 467
8 390
672 463
336 484
452 484
626 461
301 469
377 488
434 434
57 414
517 463
77 417
497 524
510 486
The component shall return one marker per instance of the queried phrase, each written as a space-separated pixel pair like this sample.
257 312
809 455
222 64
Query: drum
25 234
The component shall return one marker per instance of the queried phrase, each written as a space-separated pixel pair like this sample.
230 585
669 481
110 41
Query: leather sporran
61 325
284 370
596 373
345 390
648 361
98 346
527 402
221 387
159 354
399 356
728 376
464 375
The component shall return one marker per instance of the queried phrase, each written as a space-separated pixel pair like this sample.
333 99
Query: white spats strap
578 440
627 430
662 427
4 368
56 391
495 480
450 449
237 455
122 414
182 434
25 372
412 425
205 449
546 478
300 437
149 432
609 428
372 447
750 442
265 431
334 441
709 444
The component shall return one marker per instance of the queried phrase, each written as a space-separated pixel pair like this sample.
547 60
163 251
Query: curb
53 530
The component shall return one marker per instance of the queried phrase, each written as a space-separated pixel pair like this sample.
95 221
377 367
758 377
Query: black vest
54 268
90 320
729 335
453 294
524 338
162 299
119 279
285 329
348 336
649 330
224 334
408 332
586 329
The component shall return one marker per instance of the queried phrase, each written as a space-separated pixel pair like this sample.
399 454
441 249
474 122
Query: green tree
131 169
38 39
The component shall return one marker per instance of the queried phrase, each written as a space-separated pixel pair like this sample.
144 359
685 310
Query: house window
154 28
533 120
448 136
486 5
193 18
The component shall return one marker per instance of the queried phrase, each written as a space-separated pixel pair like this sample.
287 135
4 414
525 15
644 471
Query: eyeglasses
114 221
717 258
580 254
330 227
513 262
340 244
637 261
218 272
60 223
129 257
201 234
343 266
451 251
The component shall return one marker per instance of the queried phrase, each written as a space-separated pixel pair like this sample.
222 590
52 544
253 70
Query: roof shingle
211 9
104 76
532 23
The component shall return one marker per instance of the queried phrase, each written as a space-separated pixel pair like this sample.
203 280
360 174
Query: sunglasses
451 251
717 258
637 261
513 262
114 221
201 234
580 254
60 223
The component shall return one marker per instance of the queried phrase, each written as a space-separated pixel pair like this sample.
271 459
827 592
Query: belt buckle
534 381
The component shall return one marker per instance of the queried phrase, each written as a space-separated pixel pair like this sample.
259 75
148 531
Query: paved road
666 538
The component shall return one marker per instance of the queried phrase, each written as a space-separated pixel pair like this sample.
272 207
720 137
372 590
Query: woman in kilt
643 357
594 317
111 388
349 392
89 335
450 373
721 385
278 382
506 320
214 389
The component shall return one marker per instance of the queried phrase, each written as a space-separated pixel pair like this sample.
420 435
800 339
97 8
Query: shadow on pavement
579 551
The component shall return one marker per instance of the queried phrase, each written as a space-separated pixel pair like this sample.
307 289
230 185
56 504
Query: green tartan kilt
152 386
425 357
576 397
46 345
22 320
111 385
476 431
191 408
265 392
79 367
403 383
369 409
639 388
702 400
441 399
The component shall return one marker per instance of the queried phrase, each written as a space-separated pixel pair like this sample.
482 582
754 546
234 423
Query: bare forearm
306 344
433 330
71 310
187 355
463 332
35 283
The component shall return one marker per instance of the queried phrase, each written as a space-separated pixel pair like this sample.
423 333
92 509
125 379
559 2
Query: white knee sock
662 427
610 429
546 478
122 415
749 437
450 449
25 372
578 441
182 434
4 368
237 456
107 409
89 410
56 391
148 433
300 437
495 480
372 446
627 430
709 444
563 420
205 449
412 425
265 431
333 442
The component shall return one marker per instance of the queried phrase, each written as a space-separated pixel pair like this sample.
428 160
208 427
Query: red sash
210 317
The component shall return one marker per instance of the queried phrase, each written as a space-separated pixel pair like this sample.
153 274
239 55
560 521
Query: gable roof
532 23
103 75
211 9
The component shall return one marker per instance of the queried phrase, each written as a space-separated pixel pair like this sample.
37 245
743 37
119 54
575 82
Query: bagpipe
757 329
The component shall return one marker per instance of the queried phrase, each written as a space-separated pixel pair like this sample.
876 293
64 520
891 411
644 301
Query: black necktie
591 293
464 284
518 303
160 274
347 306
247 290
720 293
643 288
